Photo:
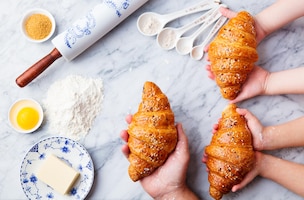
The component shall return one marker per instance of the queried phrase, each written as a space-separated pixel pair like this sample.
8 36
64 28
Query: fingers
124 135
125 150
204 160
254 85
209 73
248 115
205 157
206 49
182 143
248 178
242 96
255 127
235 100
242 111
128 119
227 13
215 128
180 132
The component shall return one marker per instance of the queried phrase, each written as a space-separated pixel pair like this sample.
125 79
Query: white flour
169 41
72 104
151 26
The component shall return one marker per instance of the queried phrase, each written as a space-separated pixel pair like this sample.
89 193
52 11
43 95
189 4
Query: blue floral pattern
71 152
118 6
86 25
83 27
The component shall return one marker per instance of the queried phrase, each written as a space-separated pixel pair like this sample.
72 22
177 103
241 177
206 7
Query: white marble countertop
124 59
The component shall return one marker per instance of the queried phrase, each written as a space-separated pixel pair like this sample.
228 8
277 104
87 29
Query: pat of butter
57 174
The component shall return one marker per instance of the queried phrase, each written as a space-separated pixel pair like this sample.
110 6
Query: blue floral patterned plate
70 151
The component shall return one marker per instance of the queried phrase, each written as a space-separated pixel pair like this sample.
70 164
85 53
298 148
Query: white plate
70 151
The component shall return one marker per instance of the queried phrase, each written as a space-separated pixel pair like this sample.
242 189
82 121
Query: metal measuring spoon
197 52
168 37
184 44
151 23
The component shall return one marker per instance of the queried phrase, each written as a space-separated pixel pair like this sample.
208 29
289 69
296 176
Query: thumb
241 96
181 153
248 115
248 178
182 141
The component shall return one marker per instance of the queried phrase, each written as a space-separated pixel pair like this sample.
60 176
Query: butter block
57 174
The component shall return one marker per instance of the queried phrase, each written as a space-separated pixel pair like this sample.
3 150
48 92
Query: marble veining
125 59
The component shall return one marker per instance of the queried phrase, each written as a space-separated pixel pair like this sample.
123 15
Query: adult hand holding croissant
169 180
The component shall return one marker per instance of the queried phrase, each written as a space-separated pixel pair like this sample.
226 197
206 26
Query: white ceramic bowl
37 11
16 107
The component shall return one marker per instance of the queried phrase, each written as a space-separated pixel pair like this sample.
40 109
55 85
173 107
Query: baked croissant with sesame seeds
152 133
233 53
230 153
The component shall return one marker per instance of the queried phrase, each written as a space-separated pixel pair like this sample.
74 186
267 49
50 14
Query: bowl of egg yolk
25 115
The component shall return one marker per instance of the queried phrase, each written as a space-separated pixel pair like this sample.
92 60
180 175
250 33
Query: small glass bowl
37 11
17 106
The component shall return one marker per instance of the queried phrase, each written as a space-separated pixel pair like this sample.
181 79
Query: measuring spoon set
151 24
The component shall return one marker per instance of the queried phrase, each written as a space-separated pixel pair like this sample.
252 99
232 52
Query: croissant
152 133
233 53
230 153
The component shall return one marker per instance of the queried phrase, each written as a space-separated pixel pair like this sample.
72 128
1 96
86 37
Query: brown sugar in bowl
38 25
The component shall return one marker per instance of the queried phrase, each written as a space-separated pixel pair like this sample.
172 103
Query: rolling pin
82 34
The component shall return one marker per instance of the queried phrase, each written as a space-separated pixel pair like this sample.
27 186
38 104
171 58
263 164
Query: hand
249 176
170 178
252 174
226 13
255 128
260 33
255 84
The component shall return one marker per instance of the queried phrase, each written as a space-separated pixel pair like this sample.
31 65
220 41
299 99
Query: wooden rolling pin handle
36 69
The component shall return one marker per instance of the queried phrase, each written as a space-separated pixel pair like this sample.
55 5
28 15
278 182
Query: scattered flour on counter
72 104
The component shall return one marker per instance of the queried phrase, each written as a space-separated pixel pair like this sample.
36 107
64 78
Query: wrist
261 33
268 133
265 162
179 193
266 86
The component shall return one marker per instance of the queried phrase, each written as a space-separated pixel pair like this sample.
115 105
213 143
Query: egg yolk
27 118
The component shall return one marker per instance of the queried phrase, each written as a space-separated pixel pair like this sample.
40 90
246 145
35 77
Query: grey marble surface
125 59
